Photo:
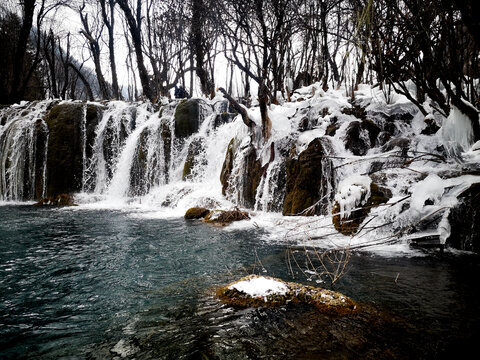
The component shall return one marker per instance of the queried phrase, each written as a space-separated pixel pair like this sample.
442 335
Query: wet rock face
361 136
138 185
464 221
194 158
65 145
65 152
308 181
253 175
227 166
41 138
188 117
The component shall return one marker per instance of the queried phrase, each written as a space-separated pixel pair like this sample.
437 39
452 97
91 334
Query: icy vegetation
376 162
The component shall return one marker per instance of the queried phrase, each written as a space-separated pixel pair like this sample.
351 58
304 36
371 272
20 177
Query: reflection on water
101 284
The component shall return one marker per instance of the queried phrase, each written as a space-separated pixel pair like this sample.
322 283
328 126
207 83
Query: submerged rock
60 200
309 180
256 291
196 213
225 217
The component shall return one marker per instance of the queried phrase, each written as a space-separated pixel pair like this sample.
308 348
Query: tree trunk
135 31
28 10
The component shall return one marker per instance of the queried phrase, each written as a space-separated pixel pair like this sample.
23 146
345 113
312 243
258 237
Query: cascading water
23 150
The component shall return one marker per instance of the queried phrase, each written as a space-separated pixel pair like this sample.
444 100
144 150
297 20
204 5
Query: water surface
97 284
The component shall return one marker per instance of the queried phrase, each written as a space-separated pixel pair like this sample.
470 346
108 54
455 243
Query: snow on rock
255 291
352 192
431 188
260 286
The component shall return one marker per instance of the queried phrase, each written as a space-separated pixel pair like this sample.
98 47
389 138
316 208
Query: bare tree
134 22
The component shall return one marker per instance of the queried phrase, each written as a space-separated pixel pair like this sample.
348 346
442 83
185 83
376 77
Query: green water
95 284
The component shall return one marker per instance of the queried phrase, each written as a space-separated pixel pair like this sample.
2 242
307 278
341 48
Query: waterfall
131 150
23 140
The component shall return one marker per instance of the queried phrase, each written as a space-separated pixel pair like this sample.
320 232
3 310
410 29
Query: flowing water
99 284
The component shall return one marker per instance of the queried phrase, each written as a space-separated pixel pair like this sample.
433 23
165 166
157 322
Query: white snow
431 188
260 287
352 192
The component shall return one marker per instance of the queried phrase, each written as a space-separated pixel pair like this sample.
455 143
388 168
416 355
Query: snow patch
431 188
260 287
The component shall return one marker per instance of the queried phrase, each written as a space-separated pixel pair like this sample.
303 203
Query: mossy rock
188 117
307 183
326 301
65 150
196 213
225 217
349 226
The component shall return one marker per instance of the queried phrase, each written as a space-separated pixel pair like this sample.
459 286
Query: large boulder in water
464 221
309 180
188 117
265 291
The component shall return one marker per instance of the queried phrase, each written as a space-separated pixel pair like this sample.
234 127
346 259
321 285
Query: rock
225 217
65 145
188 117
227 166
196 213
194 158
431 126
65 150
277 292
332 128
59 200
464 221
361 136
402 143
41 143
166 134
138 181
356 110
253 175
309 179
348 225
223 118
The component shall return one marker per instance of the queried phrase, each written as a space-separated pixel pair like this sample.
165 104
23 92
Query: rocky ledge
216 217
256 291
